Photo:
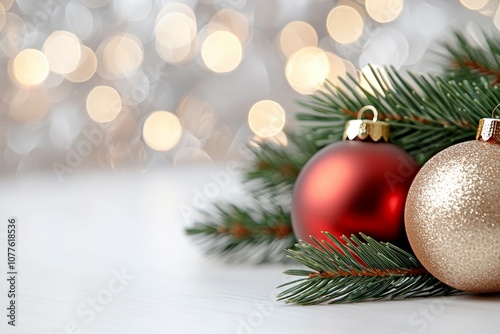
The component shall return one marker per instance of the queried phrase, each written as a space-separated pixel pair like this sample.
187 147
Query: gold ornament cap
365 129
488 130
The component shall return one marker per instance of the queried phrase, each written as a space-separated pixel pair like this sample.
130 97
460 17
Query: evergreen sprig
427 114
473 58
357 270
275 166
248 234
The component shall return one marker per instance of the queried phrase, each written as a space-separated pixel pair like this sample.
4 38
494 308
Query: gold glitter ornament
452 213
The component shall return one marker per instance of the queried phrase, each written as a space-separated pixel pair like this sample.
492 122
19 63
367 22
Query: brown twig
370 273
471 65
238 230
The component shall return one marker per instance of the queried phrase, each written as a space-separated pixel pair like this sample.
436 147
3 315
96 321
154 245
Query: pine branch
276 167
235 233
471 62
426 113
355 271
239 233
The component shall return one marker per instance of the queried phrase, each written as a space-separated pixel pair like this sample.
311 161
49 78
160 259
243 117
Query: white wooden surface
77 236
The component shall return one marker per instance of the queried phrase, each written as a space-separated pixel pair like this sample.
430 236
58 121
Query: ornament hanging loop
372 109
365 129
494 109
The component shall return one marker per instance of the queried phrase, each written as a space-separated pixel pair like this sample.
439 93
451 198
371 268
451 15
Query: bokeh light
13 35
78 19
221 51
175 34
162 131
103 104
30 67
266 118
345 24
496 19
3 16
369 82
337 69
95 3
134 89
132 10
86 67
232 21
6 4
350 69
175 30
63 52
385 46
123 149
297 35
384 11
69 65
29 105
489 9
197 116
279 139
474 4
191 155
307 69
122 55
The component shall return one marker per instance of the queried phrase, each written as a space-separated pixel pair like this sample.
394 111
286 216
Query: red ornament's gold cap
488 130
367 130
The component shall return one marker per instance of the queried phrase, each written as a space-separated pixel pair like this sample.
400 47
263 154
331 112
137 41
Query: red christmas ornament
356 185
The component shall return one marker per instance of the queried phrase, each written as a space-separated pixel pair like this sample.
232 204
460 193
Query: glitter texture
452 216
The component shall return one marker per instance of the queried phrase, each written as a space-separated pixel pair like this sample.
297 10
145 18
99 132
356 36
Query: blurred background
131 85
